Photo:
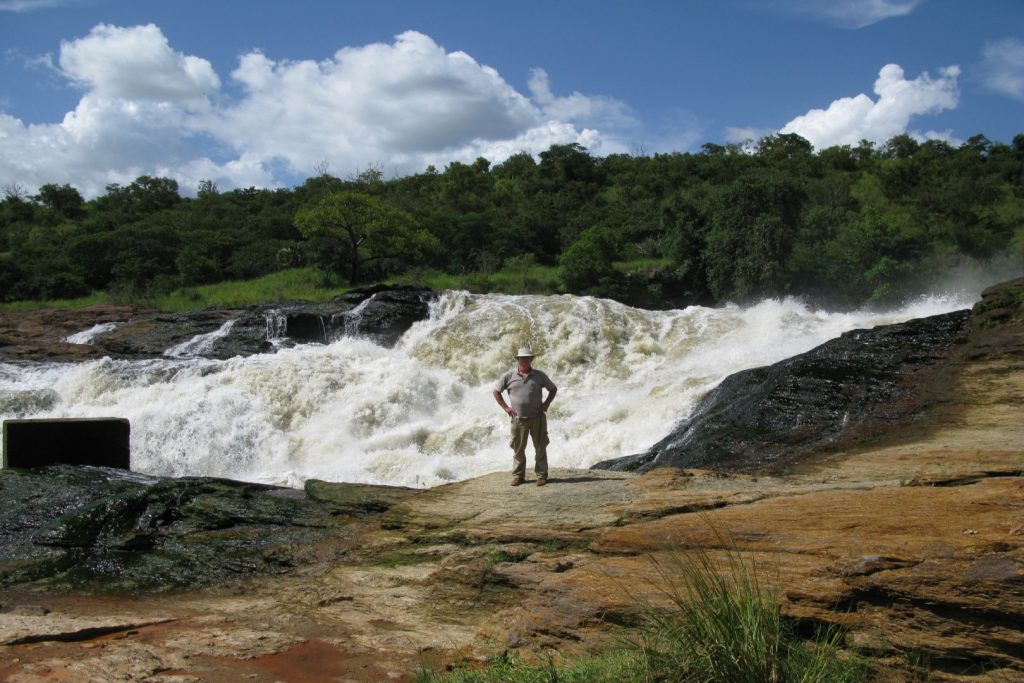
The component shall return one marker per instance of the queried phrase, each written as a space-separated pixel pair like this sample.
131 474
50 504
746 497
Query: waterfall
421 413
277 325
86 336
350 320
199 344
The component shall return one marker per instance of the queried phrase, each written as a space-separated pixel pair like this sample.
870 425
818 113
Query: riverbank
911 541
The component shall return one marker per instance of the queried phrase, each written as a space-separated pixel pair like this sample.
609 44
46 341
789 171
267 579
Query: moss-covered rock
356 499
112 529
1000 304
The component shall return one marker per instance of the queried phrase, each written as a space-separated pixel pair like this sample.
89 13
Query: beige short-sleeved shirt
524 393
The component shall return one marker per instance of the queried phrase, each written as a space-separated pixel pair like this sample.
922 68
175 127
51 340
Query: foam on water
421 413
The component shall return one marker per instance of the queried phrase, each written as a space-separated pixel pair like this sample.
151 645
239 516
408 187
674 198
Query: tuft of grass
723 624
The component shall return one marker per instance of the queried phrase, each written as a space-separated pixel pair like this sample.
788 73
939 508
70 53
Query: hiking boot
541 481
516 481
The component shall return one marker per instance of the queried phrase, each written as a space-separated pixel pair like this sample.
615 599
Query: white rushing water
199 344
422 414
86 336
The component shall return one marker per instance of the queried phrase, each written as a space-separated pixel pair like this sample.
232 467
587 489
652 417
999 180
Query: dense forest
847 225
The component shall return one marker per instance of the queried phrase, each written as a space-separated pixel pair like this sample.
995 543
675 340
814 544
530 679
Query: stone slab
103 442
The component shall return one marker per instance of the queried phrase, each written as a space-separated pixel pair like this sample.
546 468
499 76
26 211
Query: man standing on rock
524 384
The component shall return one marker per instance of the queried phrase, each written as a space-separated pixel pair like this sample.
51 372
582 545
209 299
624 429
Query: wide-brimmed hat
524 352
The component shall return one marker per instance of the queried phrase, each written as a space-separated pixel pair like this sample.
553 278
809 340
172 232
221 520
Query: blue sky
262 93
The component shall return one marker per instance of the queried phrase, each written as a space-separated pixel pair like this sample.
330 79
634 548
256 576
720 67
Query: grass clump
722 624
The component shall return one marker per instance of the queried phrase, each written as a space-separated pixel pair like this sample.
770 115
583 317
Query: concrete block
103 441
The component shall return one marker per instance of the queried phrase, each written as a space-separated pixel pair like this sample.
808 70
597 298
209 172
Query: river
421 414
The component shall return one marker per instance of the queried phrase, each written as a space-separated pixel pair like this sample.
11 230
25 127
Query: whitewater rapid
421 414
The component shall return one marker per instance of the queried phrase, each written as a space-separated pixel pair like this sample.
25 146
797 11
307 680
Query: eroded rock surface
912 541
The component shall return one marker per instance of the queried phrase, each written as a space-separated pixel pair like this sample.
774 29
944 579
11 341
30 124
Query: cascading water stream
200 344
421 413
351 320
87 336
277 326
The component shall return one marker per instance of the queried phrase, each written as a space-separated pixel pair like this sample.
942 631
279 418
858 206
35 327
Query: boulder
104 528
838 395
381 313
847 388
384 314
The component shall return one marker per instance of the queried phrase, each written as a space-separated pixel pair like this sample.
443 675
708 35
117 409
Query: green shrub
589 259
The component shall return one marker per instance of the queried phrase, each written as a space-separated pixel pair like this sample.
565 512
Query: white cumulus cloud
149 109
577 107
1003 67
850 119
136 64
368 103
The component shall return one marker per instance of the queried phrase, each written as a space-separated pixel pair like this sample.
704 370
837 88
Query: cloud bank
849 120
148 109
1003 67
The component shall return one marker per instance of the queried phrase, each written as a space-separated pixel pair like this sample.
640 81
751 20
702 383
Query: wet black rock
114 530
845 390
150 335
385 313
382 313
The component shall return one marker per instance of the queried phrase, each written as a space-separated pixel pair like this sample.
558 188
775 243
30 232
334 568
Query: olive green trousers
535 429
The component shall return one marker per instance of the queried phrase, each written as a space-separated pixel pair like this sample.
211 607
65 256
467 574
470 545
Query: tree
371 176
207 188
901 147
587 263
784 147
354 231
751 234
63 200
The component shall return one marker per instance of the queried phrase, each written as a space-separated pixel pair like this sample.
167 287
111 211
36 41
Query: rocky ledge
381 313
910 537
842 394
